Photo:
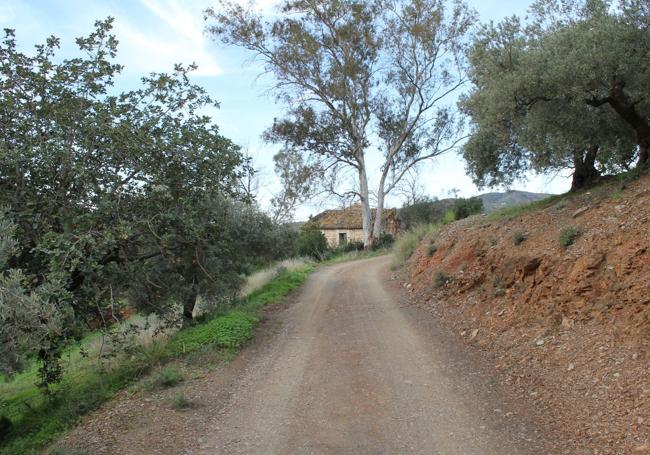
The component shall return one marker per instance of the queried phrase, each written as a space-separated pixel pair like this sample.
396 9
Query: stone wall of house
332 236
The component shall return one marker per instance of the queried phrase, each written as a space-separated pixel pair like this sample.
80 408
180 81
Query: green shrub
519 237
432 249
6 425
385 240
357 245
467 207
180 402
169 376
449 217
405 246
441 279
311 242
423 211
568 236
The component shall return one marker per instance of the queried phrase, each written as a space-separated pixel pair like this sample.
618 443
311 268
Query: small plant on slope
169 376
519 238
441 279
180 402
568 236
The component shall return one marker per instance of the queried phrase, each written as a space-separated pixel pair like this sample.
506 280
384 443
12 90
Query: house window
343 238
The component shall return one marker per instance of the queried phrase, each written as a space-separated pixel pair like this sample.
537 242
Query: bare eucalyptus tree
358 76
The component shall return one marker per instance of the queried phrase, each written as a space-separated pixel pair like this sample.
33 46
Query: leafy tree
344 82
423 211
538 92
31 320
112 196
311 242
467 207
297 179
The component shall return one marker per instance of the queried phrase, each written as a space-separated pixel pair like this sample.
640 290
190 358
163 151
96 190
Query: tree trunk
365 204
584 168
644 154
377 225
189 303
626 109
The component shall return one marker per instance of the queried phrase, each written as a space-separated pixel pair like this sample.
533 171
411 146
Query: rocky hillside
559 296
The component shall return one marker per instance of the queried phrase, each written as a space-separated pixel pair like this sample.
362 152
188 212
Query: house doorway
343 238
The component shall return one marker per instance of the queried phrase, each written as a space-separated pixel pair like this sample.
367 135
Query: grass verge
37 419
406 245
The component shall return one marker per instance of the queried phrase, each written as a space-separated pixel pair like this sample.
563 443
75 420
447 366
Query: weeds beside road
38 418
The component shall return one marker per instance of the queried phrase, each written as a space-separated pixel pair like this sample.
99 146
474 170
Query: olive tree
545 94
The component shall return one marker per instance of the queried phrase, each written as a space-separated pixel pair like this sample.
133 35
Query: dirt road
348 371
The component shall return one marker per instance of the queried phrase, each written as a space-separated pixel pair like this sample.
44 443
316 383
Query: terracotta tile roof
347 218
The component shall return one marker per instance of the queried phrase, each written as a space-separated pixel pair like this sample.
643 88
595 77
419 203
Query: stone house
341 226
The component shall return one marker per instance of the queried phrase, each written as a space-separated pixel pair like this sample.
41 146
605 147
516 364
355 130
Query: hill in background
496 201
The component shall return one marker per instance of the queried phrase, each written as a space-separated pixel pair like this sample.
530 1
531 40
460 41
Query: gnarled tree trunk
584 165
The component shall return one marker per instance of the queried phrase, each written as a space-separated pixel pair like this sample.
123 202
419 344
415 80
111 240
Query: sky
153 35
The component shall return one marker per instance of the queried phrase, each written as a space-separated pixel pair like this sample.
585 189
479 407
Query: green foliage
423 211
427 211
38 418
6 425
228 331
274 291
467 207
450 217
351 246
519 237
112 196
441 279
169 376
311 242
407 243
568 236
560 90
30 319
384 241
431 250
180 402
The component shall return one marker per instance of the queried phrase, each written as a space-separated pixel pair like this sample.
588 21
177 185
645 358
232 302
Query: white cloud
7 14
177 38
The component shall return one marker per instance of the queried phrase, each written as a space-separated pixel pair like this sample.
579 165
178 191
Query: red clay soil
568 326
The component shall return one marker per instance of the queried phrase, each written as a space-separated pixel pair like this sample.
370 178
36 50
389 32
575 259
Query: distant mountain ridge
491 202
496 201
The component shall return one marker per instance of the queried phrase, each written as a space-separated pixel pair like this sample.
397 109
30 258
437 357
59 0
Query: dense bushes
467 207
430 211
112 197
385 240
405 246
423 211
311 242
